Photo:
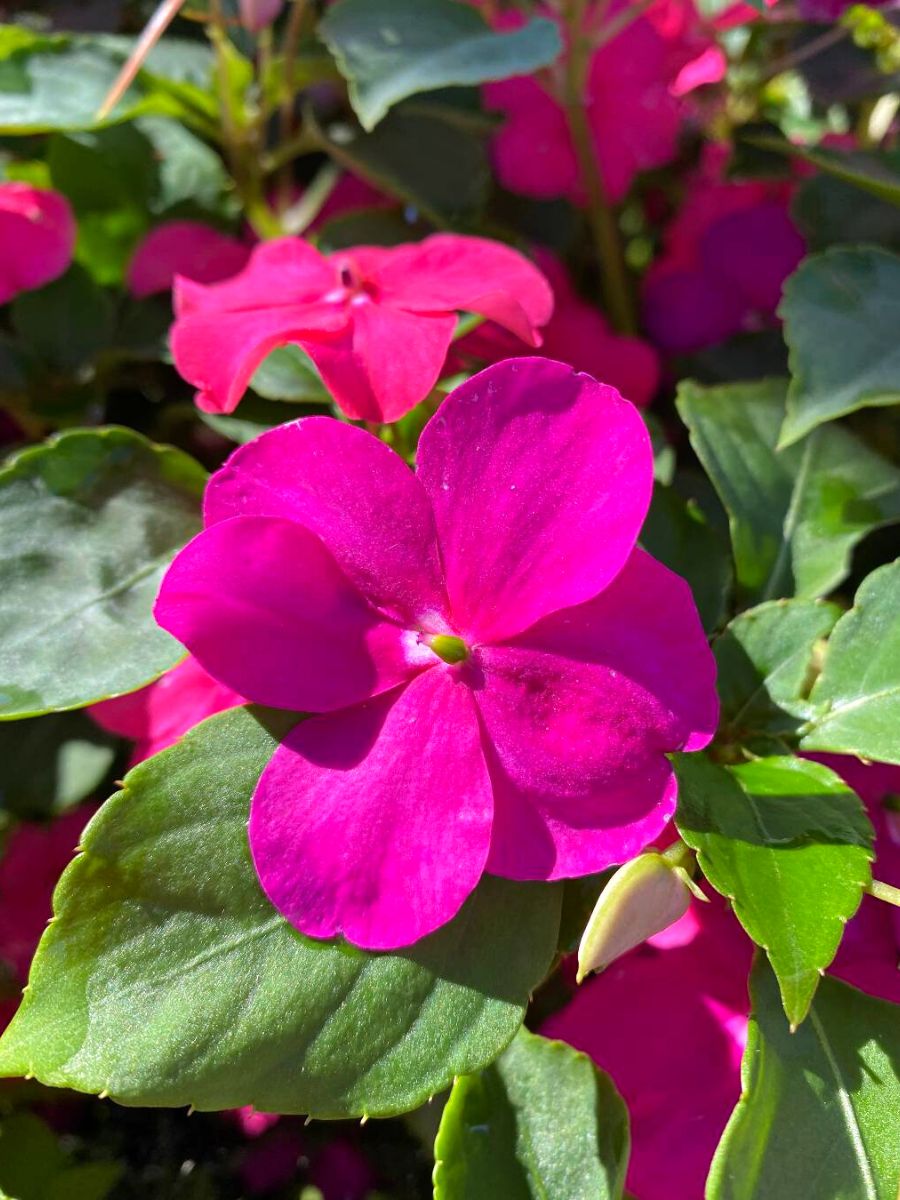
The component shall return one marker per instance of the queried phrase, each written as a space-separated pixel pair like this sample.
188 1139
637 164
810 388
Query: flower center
447 647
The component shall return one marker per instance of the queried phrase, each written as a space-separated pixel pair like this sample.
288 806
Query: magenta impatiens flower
634 102
727 254
376 322
500 672
156 716
37 238
187 248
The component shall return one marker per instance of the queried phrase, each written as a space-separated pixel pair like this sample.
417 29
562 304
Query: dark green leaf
426 161
841 312
33 1165
795 514
679 535
876 174
167 978
764 659
88 524
831 213
790 845
65 324
819 1112
49 763
856 699
542 1123
391 49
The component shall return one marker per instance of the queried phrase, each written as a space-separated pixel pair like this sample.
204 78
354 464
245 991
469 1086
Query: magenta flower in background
676 1010
577 334
187 248
726 256
257 14
635 103
156 716
37 238
351 312
668 1021
499 672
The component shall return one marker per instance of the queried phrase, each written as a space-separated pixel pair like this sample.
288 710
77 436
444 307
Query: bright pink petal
669 1026
447 272
353 492
626 679
283 272
709 66
187 248
540 479
265 609
386 364
374 823
532 152
158 715
37 238
219 351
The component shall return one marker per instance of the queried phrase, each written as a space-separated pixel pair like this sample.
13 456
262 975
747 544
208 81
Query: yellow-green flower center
451 649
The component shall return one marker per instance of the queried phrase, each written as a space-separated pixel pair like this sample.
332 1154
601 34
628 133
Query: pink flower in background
32 861
577 334
676 1010
353 312
257 14
634 103
499 671
37 238
726 256
187 248
156 716
669 1023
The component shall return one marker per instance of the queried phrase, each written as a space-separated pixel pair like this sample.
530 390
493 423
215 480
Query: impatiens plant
449 604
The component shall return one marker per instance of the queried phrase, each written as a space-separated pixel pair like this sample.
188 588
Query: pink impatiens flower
727 254
37 238
634 103
376 322
187 248
577 334
156 716
499 671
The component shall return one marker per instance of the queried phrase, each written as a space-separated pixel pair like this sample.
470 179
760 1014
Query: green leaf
288 373
167 978
52 82
678 533
832 213
856 699
841 311
764 659
89 521
818 1116
49 764
65 324
795 514
33 1165
790 845
542 1123
391 49
425 160
876 174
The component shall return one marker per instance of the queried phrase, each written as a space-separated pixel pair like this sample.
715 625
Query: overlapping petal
354 493
280 273
264 608
447 272
187 248
387 361
518 542
625 679
375 822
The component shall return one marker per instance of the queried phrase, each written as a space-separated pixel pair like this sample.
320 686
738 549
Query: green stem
601 215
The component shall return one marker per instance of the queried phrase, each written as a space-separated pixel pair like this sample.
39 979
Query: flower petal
353 492
386 364
375 822
625 679
265 609
219 351
282 272
540 479
447 272
187 248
